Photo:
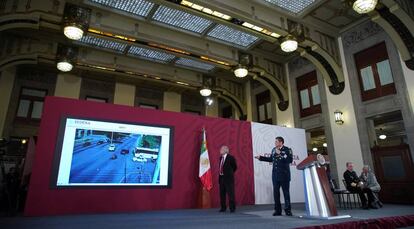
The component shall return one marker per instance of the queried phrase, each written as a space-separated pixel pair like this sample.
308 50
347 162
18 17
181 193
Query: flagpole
204 193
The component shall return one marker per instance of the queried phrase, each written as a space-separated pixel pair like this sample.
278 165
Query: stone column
346 141
286 118
6 87
172 101
124 94
68 85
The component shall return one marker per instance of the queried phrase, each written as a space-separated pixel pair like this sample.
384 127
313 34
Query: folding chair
355 197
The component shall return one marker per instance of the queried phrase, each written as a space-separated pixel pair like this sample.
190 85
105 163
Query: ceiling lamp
241 71
289 44
73 32
364 6
75 21
325 145
205 92
382 136
65 58
64 66
315 149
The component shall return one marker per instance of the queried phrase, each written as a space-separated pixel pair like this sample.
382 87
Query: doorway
392 159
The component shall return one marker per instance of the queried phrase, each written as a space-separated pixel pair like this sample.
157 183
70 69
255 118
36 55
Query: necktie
221 165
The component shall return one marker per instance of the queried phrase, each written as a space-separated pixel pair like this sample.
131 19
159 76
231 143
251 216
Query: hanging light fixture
72 32
325 145
241 71
314 149
382 135
289 44
75 21
64 66
339 117
65 58
205 91
364 6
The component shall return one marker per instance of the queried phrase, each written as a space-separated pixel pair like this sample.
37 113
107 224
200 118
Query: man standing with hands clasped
226 178
281 157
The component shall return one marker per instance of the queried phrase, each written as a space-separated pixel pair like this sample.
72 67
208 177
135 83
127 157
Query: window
148 106
374 72
96 99
30 104
309 97
264 107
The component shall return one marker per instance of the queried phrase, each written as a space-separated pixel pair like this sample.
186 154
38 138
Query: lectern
319 199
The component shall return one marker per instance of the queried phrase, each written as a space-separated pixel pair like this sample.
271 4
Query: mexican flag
204 169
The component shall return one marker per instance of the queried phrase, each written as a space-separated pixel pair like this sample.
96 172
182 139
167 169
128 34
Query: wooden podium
319 199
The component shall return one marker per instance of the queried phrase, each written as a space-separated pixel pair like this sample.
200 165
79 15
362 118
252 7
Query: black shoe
276 213
232 210
222 210
288 213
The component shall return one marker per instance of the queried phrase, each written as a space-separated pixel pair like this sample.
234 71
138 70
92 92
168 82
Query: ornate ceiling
206 37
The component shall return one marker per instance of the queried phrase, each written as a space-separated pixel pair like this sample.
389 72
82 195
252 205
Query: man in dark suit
354 184
227 168
281 157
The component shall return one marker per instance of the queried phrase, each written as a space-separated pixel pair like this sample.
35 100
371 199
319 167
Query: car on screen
100 142
111 147
86 144
125 151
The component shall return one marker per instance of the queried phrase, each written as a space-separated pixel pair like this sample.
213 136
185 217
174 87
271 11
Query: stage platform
257 217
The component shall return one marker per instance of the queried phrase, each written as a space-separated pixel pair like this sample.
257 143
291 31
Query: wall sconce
339 117
75 21
66 58
289 44
364 6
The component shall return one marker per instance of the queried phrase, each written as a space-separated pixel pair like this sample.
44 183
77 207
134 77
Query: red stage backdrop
184 192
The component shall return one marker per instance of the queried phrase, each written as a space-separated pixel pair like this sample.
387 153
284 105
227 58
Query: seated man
354 184
370 181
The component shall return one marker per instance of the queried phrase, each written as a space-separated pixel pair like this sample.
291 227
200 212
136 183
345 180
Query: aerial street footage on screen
101 153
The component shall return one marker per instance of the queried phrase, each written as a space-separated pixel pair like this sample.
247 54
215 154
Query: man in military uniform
281 157
354 185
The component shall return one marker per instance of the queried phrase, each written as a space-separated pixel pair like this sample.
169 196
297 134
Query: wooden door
395 173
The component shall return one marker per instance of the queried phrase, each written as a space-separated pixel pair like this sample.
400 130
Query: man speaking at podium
281 157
